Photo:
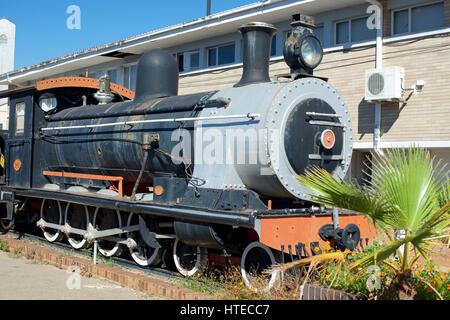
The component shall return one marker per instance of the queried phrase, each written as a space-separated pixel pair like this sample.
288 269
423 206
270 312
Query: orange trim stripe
87 176
81 82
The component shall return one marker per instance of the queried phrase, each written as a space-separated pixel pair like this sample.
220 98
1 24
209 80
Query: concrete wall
7 45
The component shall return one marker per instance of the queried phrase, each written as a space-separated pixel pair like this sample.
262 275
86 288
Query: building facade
7 46
416 36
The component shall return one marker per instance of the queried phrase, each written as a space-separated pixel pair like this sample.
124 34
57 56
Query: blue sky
41 32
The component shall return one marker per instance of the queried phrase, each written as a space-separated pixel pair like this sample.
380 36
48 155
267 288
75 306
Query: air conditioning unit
384 84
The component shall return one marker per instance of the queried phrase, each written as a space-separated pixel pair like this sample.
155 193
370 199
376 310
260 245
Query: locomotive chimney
257 41
157 75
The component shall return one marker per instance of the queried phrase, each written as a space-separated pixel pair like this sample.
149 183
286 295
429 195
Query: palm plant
406 191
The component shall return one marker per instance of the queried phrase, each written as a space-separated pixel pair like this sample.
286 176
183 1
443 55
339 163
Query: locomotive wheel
6 225
105 219
141 253
255 259
51 212
77 216
189 260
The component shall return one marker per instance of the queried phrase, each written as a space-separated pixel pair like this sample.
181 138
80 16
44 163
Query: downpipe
378 65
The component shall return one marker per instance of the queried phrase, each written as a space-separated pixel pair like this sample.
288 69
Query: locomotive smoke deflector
257 41
157 75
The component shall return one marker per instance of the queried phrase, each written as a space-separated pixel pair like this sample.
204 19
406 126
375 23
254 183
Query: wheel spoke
51 212
189 260
143 255
105 219
255 259
77 216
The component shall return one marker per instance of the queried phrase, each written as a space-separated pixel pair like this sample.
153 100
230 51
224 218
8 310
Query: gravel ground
28 280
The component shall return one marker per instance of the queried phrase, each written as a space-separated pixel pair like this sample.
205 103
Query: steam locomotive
183 180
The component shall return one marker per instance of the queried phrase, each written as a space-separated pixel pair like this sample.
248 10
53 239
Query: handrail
87 176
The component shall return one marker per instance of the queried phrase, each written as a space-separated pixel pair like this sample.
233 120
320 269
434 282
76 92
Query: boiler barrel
118 149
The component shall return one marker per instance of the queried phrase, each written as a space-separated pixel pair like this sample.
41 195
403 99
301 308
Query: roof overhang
222 23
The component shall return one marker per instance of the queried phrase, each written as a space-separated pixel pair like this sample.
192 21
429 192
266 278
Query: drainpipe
208 8
376 134
378 65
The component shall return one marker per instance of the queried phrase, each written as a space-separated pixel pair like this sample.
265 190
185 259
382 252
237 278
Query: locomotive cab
17 140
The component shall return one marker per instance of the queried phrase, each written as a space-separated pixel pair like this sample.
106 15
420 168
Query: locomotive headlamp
311 51
47 102
302 50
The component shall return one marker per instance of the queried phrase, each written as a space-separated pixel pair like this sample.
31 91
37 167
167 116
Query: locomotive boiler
183 179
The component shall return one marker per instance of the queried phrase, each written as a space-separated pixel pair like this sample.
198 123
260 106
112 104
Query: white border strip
404 144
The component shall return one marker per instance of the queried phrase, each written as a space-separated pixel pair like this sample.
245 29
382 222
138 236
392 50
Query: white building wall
7 44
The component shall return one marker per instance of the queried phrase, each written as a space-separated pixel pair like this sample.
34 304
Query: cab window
20 118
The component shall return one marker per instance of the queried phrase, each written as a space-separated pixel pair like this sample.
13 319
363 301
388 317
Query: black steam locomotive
190 178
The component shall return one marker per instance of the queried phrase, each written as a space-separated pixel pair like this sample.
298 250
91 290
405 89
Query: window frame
217 54
272 42
16 130
187 54
409 8
119 76
123 79
349 20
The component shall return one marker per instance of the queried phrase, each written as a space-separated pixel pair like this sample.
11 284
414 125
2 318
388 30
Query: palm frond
318 259
327 190
410 183
417 239
407 190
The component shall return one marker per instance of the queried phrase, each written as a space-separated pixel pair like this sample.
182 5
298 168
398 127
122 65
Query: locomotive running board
159 209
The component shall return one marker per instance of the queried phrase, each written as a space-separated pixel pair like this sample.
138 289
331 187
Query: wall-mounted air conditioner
384 84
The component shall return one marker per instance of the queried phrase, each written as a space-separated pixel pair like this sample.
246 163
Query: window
418 18
353 30
129 77
114 76
188 61
191 60
318 32
179 58
342 32
401 22
361 167
221 55
273 48
20 118
94 75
